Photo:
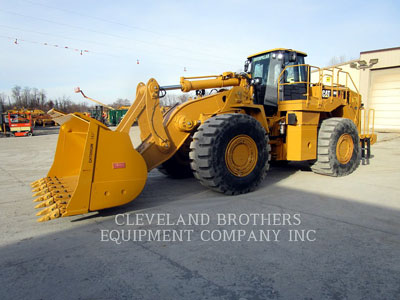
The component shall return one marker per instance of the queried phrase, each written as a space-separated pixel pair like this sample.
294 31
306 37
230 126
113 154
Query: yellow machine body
96 168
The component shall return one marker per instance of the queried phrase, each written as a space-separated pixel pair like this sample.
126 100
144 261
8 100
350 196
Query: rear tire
230 153
338 151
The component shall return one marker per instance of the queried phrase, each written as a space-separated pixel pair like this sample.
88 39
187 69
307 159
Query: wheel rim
344 148
241 155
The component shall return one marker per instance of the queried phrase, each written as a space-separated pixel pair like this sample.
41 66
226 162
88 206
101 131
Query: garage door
384 97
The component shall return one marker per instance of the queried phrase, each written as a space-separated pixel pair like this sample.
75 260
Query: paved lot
355 255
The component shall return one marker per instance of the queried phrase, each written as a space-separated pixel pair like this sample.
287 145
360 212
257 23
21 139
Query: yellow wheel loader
278 109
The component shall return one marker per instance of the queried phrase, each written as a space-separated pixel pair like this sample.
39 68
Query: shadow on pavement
156 194
356 254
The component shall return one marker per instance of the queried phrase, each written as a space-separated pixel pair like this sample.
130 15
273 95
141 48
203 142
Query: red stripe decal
119 165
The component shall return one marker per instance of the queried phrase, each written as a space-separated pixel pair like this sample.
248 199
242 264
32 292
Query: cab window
260 66
295 74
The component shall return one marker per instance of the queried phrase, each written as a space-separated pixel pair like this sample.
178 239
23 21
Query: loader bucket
94 168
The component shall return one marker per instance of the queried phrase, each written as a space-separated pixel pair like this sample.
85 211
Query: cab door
295 78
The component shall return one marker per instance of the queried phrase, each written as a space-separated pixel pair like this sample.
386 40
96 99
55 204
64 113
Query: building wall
345 67
380 87
384 75
387 58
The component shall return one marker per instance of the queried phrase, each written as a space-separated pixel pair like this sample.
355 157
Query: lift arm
78 90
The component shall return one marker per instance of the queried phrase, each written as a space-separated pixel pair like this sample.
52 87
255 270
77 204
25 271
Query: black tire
209 153
178 166
328 160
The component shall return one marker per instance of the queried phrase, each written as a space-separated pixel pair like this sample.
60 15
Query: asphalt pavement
298 236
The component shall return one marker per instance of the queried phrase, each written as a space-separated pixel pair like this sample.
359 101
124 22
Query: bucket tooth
50 216
36 185
39 188
46 185
57 193
39 199
47 210
40 193
33 183
45 181
46 203
60 200
52 212
42 198
39 181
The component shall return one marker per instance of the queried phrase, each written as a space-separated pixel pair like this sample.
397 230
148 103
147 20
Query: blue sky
167 37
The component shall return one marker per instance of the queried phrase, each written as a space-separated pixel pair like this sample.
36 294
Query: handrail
347 87
296 82
334 84
347 76
366 126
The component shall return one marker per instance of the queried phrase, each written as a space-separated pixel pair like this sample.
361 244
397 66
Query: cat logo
327 93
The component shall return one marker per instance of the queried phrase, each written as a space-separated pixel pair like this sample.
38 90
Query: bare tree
121 102
16 95
183 98
335 60
33 98
3 104
173 99
34 101
42 98
168 100
26 93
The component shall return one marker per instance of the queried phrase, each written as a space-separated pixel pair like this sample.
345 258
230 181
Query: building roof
276 49
380 50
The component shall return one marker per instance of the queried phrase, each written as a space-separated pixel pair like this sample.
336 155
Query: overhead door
384 97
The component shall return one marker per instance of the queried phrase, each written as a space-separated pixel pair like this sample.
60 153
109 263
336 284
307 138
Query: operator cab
265 68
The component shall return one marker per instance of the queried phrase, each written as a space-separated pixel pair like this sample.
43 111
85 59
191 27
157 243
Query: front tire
178 166
338 152
230 153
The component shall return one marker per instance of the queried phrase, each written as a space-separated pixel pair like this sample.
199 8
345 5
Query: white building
376 74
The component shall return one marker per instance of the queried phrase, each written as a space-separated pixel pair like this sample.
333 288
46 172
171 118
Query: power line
115 23
17 41
105 45
104 20
54 35
107 34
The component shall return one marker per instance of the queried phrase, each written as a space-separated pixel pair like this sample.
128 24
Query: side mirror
256 81
292 56
246 65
